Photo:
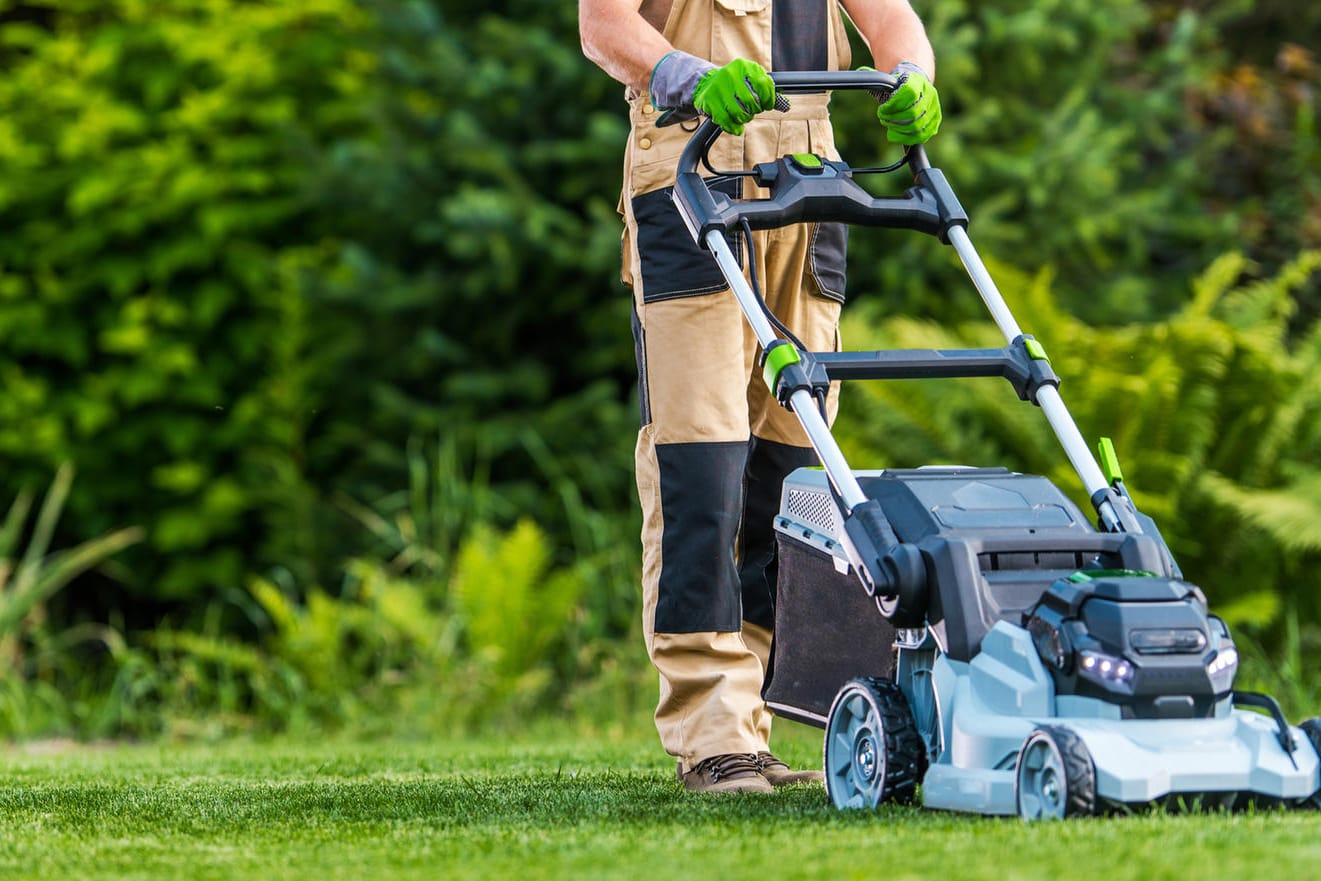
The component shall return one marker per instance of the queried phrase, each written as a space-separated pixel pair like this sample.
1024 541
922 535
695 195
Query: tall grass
44 686
463 614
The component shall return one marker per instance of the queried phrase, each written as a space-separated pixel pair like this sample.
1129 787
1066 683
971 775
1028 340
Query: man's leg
769 462
691 454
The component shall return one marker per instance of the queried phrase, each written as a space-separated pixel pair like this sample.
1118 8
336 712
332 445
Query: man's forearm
893 32
620 41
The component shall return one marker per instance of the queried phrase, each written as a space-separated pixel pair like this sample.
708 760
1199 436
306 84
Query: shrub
251 249
1125 144
153 165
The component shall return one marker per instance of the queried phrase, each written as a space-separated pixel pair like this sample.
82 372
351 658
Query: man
714 445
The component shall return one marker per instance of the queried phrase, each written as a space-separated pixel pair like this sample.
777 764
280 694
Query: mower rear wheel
873 751
1056 776
1312 728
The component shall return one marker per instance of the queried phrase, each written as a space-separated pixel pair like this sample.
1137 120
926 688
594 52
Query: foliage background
320 300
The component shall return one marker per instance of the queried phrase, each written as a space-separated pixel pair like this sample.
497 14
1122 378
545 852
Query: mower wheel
1312 728
873 751
1056 776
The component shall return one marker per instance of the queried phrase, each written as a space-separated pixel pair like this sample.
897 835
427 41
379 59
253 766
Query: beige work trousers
714 443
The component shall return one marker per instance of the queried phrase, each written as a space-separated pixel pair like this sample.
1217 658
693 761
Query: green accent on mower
778 358
1093 574
1109 461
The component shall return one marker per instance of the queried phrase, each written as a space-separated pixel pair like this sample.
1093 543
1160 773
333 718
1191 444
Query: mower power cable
755 282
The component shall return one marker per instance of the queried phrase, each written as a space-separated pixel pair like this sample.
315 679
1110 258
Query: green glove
912 114
733 94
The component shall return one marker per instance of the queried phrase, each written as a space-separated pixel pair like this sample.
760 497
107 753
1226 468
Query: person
714 446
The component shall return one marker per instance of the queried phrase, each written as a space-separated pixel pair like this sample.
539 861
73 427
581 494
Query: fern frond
1291 515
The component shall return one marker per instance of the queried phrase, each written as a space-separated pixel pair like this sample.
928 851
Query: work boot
731 772
778 773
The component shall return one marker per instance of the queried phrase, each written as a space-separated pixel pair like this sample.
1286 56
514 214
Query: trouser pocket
826 259
672 265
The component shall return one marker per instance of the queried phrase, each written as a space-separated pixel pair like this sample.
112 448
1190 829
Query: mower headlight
1225 661
1168 640
1104 668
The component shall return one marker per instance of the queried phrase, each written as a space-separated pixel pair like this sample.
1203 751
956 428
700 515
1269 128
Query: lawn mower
966 632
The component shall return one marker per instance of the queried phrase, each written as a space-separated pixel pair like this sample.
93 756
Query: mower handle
879 84
804 188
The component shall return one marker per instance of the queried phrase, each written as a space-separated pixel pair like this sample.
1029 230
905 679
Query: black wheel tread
905 751
1079 771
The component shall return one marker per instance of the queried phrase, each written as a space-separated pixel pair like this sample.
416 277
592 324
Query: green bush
1123 144
384 651
152 176
449 622
251 249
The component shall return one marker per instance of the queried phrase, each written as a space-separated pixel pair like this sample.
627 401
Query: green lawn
558 806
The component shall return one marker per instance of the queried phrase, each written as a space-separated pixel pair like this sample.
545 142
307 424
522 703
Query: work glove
911 115
684 85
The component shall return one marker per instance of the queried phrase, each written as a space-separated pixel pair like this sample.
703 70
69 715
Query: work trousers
714 445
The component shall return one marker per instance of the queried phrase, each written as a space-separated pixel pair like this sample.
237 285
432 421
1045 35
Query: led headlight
1167 640
1104 668
1225 659
1221 667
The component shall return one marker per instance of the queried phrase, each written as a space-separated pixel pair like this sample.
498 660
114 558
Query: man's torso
788 34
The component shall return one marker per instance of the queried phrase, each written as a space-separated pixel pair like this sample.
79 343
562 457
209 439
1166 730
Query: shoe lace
731 765
766 760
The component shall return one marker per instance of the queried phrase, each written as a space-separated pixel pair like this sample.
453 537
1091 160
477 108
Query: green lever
1109 461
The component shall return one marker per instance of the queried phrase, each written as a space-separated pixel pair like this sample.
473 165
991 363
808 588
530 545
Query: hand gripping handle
874 81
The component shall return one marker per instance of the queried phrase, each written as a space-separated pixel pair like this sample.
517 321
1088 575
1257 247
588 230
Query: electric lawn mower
969 630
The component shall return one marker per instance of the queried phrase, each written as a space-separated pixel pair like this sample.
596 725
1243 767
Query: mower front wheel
1056 776
873 751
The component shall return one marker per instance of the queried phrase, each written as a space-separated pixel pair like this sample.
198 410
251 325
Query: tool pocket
826 259
652 155
741 29
671 265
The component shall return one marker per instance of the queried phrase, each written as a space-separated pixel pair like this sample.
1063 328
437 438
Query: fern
511 603
1291 515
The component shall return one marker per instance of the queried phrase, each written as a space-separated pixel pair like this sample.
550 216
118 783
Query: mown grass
558 805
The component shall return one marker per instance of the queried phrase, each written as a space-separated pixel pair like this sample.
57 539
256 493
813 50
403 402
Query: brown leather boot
778 773
731 772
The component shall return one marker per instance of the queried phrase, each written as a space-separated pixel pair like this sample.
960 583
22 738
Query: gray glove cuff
906 67
674 78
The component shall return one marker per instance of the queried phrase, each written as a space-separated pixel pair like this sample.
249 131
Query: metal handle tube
1075 447
814 424
1048 397
981 278
832 458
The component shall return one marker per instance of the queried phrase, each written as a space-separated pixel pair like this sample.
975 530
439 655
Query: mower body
1033 619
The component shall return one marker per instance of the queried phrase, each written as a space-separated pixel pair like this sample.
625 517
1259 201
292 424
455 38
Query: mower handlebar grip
839 199
874 81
